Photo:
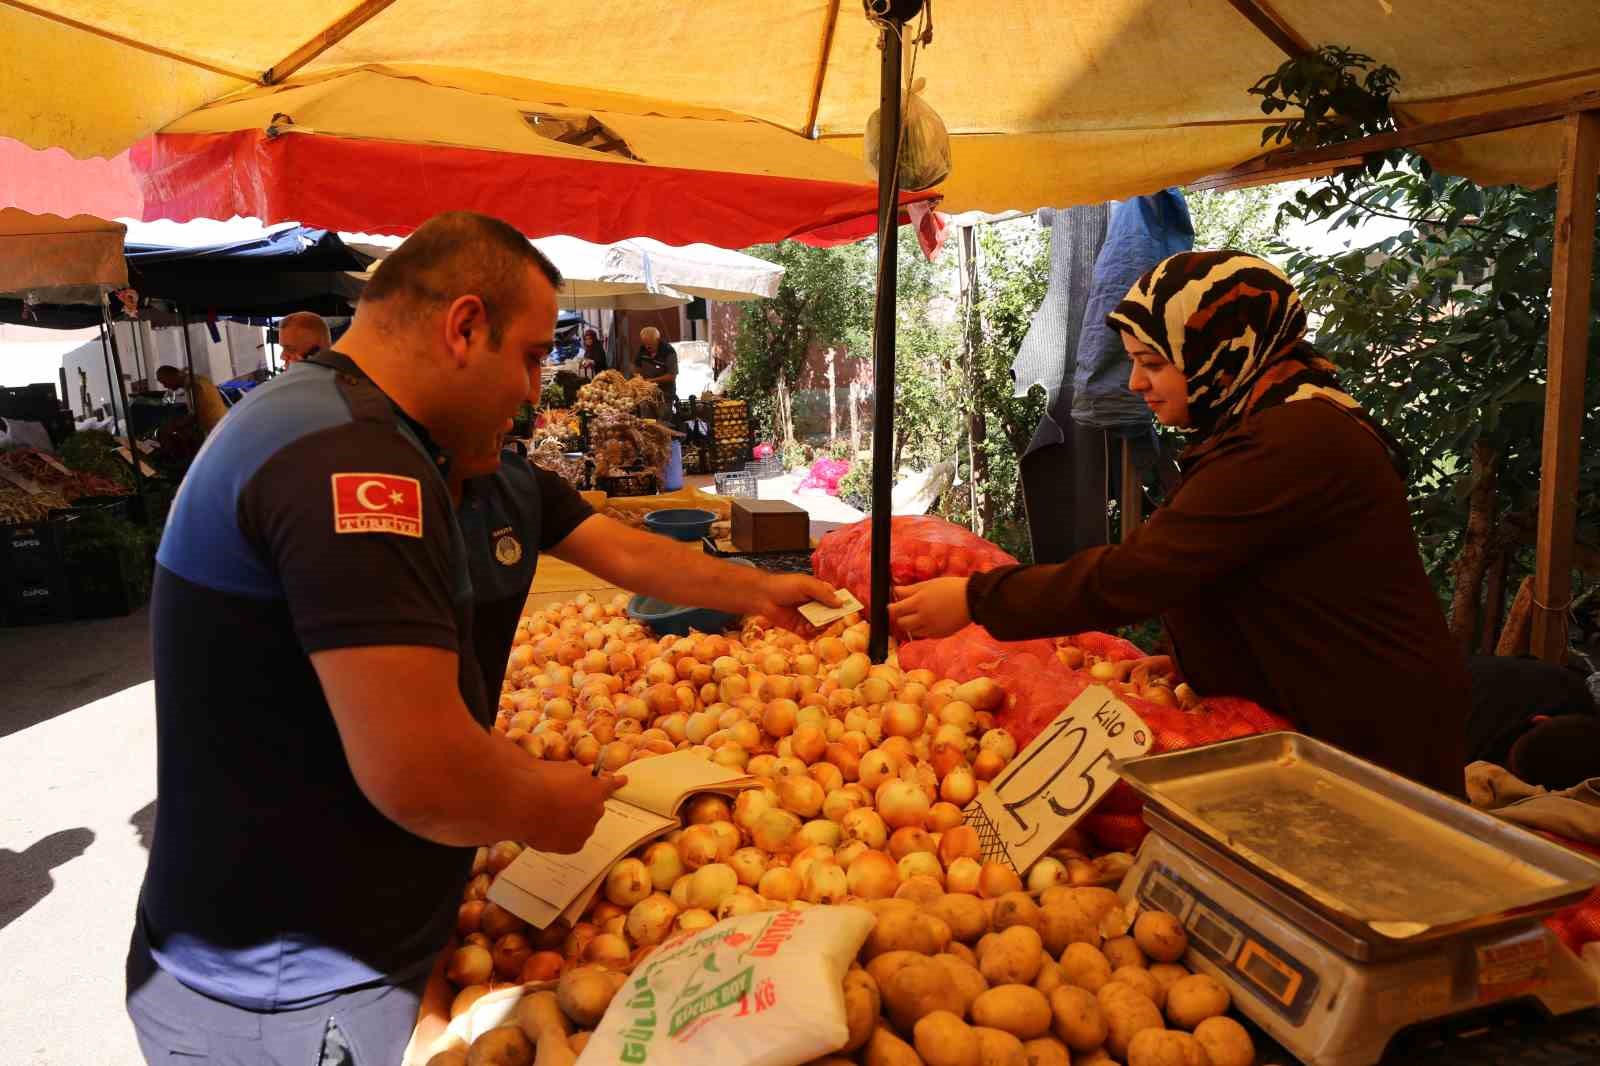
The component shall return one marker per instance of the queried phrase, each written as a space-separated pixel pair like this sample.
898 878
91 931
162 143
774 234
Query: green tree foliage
1245 219
825 298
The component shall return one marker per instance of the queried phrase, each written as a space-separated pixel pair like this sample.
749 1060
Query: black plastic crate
33 579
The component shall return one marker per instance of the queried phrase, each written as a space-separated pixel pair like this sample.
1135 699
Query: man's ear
465 316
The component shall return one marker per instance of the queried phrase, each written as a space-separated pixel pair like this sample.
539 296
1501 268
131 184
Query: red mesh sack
1112 649
1578 924
921 548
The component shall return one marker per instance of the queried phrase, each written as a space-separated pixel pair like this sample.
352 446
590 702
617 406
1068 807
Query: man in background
208 404
657 361
301 335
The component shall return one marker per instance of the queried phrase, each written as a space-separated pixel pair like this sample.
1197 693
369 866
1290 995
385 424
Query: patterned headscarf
1234 325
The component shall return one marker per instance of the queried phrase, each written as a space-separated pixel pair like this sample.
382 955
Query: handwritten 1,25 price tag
1057 779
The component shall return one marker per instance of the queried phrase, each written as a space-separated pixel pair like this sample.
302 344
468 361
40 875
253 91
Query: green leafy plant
1339 93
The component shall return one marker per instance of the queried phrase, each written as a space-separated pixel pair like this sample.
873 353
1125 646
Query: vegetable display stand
33 578
108 559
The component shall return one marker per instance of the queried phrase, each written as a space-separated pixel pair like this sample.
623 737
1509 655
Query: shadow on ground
143 821
50 670
25 875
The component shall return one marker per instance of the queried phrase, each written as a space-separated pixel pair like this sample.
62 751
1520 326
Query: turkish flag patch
377 503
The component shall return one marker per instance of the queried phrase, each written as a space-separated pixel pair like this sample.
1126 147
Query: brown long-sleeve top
1287 572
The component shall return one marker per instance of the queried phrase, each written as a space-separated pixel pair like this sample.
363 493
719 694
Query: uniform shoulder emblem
508 550
377 503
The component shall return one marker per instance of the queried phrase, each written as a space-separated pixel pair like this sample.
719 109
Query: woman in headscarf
1284 565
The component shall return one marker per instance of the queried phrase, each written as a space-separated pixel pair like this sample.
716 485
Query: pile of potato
948 979
864 771
958 981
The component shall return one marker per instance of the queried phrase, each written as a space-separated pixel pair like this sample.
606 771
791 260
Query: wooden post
1571 276
1132 492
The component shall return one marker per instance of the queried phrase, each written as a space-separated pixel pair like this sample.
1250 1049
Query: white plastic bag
761 990
924 145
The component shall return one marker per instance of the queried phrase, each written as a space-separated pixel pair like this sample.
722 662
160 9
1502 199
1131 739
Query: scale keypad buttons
1253 960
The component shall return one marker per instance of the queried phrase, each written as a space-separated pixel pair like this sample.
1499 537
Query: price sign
1057 779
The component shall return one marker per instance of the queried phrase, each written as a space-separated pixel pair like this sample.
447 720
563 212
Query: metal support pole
111 382
122 393
883 327
188 362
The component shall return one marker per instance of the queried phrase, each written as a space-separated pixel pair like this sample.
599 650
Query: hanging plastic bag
924 144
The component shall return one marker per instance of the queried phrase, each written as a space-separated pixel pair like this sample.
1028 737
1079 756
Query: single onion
876 768
901 803
872 876
958 842
903 720
820 831
943 816
469 965
815 853
827 775
826 882
628 882
609 950
780 883
866 825
987 765
959 786
962 875
665 865
749 864
849 851
651 919
904 841
697 847
775 830
996 879
801 794
710 885
839 803
728 839
1047 873
921 864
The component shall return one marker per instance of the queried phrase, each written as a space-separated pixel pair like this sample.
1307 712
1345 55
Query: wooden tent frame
1572 273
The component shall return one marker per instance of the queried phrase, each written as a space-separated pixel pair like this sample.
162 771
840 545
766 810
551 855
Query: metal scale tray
1373 864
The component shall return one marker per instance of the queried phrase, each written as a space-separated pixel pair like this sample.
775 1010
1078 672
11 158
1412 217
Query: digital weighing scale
1345 907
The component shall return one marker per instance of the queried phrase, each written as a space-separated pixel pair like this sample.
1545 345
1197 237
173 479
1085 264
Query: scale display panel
1254 960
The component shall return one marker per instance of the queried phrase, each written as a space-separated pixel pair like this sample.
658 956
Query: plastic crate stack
730 435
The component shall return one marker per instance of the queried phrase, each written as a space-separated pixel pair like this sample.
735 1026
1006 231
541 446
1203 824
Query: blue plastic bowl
680 523
667 619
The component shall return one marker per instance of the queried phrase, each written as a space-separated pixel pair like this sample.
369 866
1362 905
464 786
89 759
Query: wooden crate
770 526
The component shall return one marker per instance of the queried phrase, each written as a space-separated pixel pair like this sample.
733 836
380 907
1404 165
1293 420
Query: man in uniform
302 335
325 768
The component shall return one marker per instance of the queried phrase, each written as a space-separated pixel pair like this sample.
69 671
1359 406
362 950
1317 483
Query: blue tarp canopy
293 269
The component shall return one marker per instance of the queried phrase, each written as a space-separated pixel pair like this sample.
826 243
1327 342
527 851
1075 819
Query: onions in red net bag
921 548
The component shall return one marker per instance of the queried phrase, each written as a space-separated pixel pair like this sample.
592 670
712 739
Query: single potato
966 916
1123 951
996 1047
1160 936
969 982
919 990
862 1005
1084 966
1015 908
885 1049
1128 1013
943 1039
1226 1042
1012 957
1139 978
1194 999
1078 1020
1020 1010
1162 1047
502 1046
1066 922
1046 1051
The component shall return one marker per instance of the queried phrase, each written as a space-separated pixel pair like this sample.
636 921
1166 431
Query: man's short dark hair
461 253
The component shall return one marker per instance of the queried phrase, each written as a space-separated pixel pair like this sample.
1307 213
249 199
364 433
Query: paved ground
48 670
80 790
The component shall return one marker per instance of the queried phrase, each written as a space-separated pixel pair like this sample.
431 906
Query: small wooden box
769 526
